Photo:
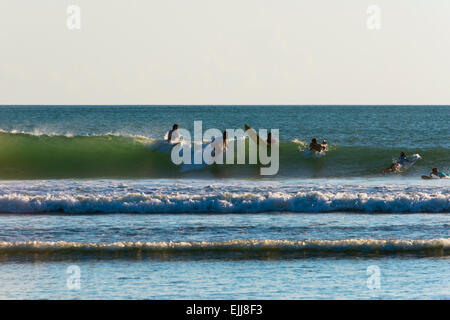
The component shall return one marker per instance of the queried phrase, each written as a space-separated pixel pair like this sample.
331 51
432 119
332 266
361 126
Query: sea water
85 192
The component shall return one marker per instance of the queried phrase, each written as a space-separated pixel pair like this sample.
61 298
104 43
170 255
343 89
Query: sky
225 52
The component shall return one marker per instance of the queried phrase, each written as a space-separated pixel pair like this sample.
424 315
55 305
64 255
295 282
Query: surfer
438 174
393 168
173 134
314 146
217 146
224 138
324 144
401 161
270 140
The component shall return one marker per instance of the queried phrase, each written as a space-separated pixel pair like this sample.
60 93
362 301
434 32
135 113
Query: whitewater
218 196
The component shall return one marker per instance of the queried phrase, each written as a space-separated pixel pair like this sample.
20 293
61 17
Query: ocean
93 208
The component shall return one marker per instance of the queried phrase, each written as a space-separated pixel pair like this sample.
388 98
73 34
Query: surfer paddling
316 147
435 173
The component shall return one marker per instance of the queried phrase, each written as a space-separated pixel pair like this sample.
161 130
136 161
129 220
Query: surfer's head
314 140
324 141
175 127
403 155
435 170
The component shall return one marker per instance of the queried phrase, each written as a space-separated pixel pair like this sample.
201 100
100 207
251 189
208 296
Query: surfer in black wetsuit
171 132
314 146
224 137
216 144
269 138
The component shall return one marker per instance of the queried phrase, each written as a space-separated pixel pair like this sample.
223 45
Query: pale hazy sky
225 52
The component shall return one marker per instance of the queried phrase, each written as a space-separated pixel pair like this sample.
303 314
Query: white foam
313 201
196 196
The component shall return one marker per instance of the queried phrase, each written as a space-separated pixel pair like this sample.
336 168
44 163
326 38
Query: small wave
233 248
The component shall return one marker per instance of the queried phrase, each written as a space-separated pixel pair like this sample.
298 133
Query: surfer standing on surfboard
173 134
219 145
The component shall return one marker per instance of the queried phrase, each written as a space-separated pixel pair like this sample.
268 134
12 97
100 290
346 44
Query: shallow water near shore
225 256
43 273
315 278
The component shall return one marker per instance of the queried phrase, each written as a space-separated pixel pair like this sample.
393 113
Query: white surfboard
254 136
314 154
164 146
219 152
412 161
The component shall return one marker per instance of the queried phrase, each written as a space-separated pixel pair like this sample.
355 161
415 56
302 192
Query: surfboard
254 136
163 146
433 177
314 154
412 161
199 166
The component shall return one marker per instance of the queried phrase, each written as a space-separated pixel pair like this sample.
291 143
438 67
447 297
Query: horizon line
224 105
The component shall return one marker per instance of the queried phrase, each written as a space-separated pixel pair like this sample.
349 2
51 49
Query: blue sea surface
86 192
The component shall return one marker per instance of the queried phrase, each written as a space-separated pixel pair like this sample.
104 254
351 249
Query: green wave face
24 156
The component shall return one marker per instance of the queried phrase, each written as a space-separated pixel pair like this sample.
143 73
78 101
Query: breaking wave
230 202
44 156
